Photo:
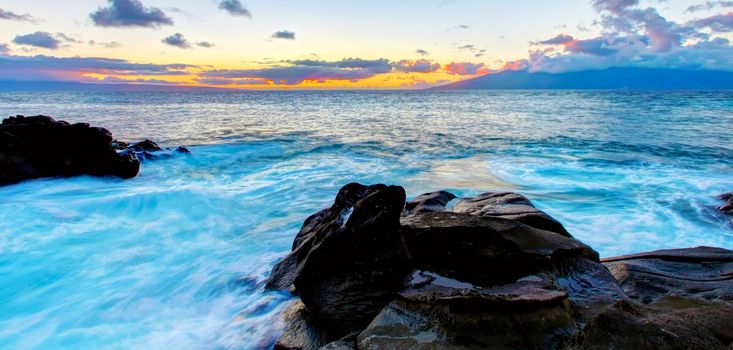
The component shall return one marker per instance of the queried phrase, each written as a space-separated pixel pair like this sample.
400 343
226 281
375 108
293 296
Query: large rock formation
35 147
493 271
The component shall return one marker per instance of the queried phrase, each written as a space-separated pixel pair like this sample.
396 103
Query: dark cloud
422 52
284 34
718 23
225 81
205 44
298 71
11 16
235 8
129 13
177 40
72 68
709 5
378 66
461 26
418 66
43 40
4 49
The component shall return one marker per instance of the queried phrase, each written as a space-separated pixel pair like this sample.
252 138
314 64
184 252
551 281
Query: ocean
177 257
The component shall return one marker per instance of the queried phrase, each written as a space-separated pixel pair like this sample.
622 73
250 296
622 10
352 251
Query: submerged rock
35 147
726 208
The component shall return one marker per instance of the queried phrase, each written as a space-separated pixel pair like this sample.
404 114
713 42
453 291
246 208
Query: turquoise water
177 257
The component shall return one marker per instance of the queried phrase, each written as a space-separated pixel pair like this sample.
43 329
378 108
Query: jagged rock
670 322
484 249
702 272
374 272
35 147
726 208
350 259
149 150
429 202
510 206
299 333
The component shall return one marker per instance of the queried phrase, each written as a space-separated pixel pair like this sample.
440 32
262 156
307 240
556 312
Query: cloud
298 71
614 6
466 68
11 16
418 66
235 8
44 40
556 40
461 26
632 36
117 80
129 13
708 5
177 40
4 50
284 34
106 45
205 44
422 52
42 67
226 81
718 23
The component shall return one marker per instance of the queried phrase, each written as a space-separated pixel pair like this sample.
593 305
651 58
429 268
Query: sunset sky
348 44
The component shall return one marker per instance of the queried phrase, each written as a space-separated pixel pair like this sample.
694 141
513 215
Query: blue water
177 257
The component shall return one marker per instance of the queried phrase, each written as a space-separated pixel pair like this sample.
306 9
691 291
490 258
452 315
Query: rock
149 150
429 202
511 206
669 323
702 272
299 333
726 208
145 145
350 259
483 249
374 272
35 147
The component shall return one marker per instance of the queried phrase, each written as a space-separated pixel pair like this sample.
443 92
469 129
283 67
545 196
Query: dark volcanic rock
669 323
702 272
35 147
726 208
374 272
510 206
349 260
149 150
429 202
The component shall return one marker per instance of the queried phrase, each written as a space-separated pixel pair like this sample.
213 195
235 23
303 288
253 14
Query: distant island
611 78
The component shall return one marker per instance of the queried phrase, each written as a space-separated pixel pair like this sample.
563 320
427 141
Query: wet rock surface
39 146
376 272
727 207
35 147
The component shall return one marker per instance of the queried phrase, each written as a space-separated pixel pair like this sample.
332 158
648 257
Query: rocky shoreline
39 146
492 271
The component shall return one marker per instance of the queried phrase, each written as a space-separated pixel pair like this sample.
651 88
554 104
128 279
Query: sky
345 44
